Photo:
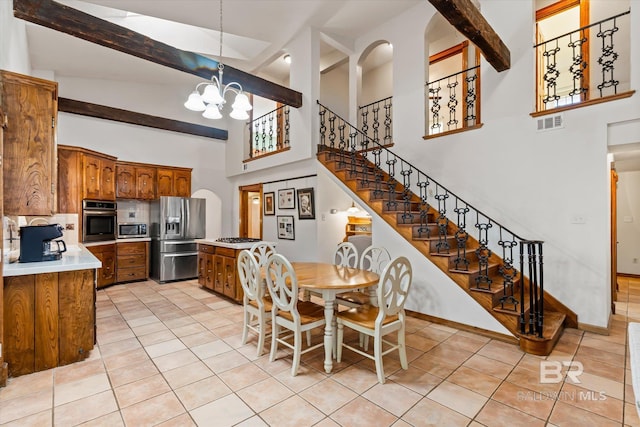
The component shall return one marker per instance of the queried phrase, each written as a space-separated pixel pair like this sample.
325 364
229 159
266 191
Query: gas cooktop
237 240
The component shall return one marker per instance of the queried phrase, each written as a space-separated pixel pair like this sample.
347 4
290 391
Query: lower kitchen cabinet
49 320
107 255
217 271
132 261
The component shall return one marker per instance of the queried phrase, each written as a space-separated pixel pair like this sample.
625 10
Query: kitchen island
217 265
49 311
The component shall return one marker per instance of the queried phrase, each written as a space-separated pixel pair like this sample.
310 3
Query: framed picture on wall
306 205
287 198
269 204
285 227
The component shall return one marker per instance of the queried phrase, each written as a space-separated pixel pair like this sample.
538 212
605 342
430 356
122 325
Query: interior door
251 211
614 239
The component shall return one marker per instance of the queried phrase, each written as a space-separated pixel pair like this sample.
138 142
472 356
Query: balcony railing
432 209
270 132
588 63
371 117
453 102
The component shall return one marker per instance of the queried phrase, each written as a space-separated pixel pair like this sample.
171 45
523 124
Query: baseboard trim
595 329
461 326
633 276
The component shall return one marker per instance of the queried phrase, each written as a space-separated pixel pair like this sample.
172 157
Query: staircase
384 182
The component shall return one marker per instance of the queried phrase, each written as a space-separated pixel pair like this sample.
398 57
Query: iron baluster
461 238
270 132
508 272
279 141
532 288
407 215
387 121
365 124
424 206
391 184
323 127
377 192
256 139
470 100
483 253
287 125
541 304
578 65
608 57
442 222
353 164
376 123
434 96
452 105
342 145
522 315
551 74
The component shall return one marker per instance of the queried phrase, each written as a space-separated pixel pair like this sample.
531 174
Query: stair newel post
442 221
532 286
541 303
423 184
461 237
522 319
407 216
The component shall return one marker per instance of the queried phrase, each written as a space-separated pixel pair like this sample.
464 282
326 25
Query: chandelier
211 100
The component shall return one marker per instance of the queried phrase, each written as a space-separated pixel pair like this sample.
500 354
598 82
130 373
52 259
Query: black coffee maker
37 244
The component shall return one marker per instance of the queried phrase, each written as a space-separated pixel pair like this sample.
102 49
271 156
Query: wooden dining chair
388 317
346 255
375 259
262 251
289 312
256 307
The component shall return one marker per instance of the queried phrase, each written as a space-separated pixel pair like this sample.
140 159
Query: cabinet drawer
137 260
206 248
127 274
131 248
226 252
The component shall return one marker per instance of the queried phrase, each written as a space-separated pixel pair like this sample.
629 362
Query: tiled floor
171 355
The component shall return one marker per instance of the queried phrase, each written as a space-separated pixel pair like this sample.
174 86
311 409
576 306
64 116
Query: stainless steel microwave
128 230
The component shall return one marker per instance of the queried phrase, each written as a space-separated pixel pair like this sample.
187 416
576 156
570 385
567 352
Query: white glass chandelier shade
194 102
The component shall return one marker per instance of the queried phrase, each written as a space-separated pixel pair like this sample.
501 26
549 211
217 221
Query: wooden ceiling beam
125 116
74 22
467 19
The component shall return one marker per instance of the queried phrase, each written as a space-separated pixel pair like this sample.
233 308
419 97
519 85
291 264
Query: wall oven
98 220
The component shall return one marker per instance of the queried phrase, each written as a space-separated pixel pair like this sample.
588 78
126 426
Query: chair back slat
249 275
262 251
393 287
282 283
375 259
346 255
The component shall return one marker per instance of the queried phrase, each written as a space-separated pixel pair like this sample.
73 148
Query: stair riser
433 231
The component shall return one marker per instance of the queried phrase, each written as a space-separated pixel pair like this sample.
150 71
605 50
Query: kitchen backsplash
133 211
11 226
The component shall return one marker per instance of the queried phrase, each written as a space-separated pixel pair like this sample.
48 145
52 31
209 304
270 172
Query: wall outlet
70 226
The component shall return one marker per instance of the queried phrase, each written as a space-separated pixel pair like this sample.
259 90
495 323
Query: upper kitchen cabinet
30 113
174 182
99 177
135 181
84 174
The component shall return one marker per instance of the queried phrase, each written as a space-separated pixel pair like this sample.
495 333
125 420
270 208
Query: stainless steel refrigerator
175 224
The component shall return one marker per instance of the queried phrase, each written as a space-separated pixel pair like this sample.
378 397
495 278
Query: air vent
550 122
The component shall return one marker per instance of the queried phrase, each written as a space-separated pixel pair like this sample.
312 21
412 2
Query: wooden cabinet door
145 183
202 269
18 317
29 159
107 255
91 167
107 179
218 273
210 273
125 182
182 182
165 182
229 277
77 309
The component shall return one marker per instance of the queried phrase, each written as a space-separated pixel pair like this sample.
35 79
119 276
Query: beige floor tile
226 411
202 392
536 404
27 384
256 421
138 391
416 379
70 391
174 360
502 352
499 415
225 361
187 374
293 412
183 420
76 371
83 410
434 366
631 417
243 376
474 380
433 333
328 395
134 372
191 329
598 384
153 411
420 342
119 347
458 398
195 340
465 342
392 397
593 401
429 413
40 419
122 360
531 380
165 347
113 336
179 321
360 411
489 366
306 378
142 321
564 414
156 337
264 394
113 419
356 378
211 348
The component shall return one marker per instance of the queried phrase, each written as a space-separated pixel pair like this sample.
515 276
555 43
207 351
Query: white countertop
246 245
123 240
75 258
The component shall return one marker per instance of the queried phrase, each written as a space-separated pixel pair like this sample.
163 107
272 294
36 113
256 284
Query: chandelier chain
221 32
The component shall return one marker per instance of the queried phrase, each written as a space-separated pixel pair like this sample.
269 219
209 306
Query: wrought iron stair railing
441 218
270 132
567 75
370 120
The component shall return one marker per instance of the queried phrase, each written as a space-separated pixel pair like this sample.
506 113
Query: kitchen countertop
213 242
75 258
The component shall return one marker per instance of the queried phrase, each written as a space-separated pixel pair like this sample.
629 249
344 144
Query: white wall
628 218
13 41
334 90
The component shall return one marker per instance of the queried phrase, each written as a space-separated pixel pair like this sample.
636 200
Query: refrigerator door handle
185 217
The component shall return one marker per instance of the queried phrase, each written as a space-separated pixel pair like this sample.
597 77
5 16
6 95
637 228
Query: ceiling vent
555 121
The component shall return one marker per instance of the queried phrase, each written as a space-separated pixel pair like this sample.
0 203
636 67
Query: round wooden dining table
329 280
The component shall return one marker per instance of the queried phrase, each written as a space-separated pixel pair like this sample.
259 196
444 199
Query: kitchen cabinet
174 182
84 174
107 255
357 225
99 177
132 261
135 181
49 320
217 270
30 108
